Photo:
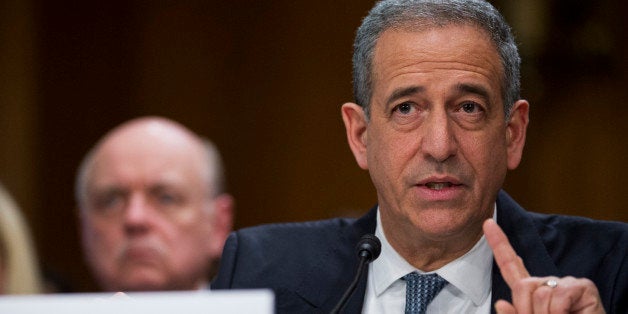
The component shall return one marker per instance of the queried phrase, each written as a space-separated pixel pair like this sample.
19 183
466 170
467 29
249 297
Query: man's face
437 145
147 221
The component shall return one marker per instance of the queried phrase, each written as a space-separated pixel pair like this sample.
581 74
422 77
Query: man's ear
516 132
355 123
222 223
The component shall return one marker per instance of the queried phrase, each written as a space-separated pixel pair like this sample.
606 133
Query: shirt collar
470 273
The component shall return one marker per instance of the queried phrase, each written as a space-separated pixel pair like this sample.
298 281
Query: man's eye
111 201
167 199
108 202
470 107
404 108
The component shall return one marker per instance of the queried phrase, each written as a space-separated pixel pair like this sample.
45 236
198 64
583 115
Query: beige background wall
265 81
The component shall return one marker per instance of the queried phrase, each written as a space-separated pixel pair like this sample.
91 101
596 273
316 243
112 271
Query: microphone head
369 247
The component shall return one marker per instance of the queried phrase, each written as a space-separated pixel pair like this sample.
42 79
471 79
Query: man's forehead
148 166
463 47
142 179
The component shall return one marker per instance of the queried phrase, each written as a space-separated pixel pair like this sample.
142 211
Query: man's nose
438 142
137 214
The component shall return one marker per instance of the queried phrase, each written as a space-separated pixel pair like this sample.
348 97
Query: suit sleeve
228 261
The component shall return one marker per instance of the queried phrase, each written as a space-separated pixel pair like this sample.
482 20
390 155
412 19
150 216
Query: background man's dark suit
309 265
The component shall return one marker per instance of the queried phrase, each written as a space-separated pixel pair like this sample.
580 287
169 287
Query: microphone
368 250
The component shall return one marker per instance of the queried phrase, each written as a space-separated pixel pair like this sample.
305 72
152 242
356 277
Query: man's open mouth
438 185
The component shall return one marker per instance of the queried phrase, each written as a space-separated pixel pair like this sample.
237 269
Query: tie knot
421 290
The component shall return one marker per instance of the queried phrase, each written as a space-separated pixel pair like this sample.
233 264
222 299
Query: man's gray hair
425 14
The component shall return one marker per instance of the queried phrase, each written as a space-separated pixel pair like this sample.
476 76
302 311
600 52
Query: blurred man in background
153 210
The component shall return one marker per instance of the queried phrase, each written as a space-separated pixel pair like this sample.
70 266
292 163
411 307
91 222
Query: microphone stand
345 297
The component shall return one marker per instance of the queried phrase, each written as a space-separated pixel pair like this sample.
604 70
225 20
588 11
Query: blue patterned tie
421 290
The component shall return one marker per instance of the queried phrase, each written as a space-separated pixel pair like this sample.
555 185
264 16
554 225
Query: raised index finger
509 263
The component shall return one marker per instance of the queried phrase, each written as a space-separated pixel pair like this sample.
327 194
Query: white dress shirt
469 277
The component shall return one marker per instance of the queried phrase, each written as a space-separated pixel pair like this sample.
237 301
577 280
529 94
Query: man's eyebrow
473 89
403 92
106 188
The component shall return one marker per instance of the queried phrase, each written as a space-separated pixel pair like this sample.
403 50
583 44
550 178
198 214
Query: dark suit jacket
309 265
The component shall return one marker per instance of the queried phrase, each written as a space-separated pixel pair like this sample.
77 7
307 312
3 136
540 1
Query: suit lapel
327 278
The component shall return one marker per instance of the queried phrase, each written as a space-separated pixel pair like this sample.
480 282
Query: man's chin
142 286
142 280
442 225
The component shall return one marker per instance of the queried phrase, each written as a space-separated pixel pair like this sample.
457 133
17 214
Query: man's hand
538 294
